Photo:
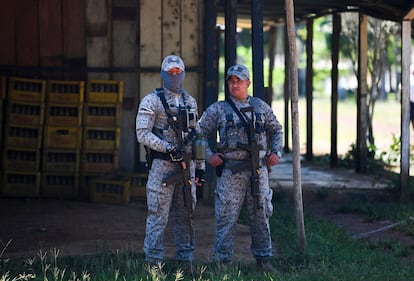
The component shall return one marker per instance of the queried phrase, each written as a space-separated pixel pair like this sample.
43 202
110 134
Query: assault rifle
179 125
253 148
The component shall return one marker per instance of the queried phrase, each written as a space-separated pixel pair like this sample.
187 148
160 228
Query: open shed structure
117 46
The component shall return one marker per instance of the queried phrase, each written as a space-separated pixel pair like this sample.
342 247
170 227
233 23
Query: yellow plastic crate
29 90
23 136
65 92
21 159
111 189
25 113
85 183
63 137
60 185
61 160
21 184
99 161
101 138
105 91
137 189
64 115
102 115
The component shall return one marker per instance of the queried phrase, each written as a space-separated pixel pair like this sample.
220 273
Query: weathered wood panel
125 53
150 33
27 32
97 45
50 32
7 31
191 32
73 25
171 27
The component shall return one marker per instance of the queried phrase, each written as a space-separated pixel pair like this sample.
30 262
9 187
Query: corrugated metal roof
274 10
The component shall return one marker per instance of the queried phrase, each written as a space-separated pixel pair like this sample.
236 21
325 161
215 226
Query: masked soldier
166 124
250 141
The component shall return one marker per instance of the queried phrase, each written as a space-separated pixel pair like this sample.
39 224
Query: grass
331 255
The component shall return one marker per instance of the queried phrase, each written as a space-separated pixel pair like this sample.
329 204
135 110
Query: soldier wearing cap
233 189
155 132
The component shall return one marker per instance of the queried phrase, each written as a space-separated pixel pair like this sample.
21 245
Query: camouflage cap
238 70
172 61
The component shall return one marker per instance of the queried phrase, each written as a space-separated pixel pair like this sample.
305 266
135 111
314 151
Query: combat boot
264 264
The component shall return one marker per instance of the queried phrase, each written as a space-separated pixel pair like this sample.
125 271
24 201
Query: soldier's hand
175 154
272 159
216 159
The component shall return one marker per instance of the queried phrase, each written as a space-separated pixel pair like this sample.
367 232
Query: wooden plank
7 31
73 25
191 32
50 32
171 27
96 18
125 49
27 32
150 33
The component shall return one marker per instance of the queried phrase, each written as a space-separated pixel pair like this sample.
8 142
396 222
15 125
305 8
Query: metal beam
257 48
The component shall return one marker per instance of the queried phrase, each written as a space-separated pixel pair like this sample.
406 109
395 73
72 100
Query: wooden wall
43 33
176 29
114 39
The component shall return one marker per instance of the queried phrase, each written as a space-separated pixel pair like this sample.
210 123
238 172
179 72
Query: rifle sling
246 125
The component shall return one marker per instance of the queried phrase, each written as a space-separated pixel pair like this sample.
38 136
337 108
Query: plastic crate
65 92
21 184
63 137
99 161
61 160
24 113
23 136
85 183
60 185
29 90
111 189
105 91
64 115
102 115
101 138
137 189
21 159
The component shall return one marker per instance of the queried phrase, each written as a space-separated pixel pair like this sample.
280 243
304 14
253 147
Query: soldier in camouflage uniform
234 188
154 131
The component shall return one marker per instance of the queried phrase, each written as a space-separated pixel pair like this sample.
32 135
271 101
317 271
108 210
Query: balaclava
172 81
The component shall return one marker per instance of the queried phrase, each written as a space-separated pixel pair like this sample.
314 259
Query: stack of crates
62 140
101 130
23 137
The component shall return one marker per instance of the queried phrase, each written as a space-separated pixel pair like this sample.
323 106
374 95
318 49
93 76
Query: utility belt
160 155
237 166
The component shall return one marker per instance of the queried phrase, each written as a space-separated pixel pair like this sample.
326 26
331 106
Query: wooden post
405 109
334 95
362 108
300 228
309 90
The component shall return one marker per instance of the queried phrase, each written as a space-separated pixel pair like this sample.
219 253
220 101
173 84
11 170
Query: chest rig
182 122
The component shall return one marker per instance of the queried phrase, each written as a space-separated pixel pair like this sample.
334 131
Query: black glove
201 175
175 154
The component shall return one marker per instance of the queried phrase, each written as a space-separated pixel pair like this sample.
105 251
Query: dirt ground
80 228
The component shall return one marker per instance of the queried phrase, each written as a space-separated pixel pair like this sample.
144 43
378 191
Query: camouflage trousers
160 200
232 191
